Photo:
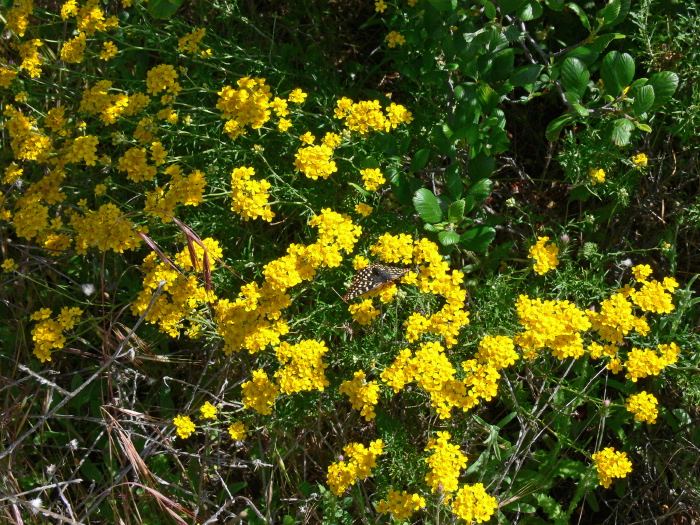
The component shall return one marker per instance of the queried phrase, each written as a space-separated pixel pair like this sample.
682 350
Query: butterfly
372 277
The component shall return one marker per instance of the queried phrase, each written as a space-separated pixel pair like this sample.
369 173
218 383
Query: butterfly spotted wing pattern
372 277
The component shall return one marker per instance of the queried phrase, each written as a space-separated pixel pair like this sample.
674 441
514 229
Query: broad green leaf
555 127
643 127
555 5
601 41
481 189
430 228
420 159
455 212
581 110
404 187
574 75
525 75
622 130
665 85
508 6
448 237
501 66
426 204
617 72
530 11
163 8
469 203
490 10
453 180
360 189
477 239
643 100
481 167
581 14
487 97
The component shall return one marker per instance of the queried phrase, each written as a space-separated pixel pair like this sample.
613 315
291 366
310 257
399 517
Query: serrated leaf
643 99
501 66
555 127
487 98
481 167
622 131
448 237
530 11
477 239
420 159
455 212
453 181
617 72
490 10
427 205
162 9
665 84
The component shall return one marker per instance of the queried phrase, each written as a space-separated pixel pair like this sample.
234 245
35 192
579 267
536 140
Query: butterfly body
372 277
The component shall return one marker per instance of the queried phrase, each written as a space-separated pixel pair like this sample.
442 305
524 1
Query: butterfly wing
372 277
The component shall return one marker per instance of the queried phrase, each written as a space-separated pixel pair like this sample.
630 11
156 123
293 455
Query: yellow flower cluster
73 50
105 229
366 116
237 430
190 43
498 351
643 406
364 209
656 297
181 294
315 161
83 149
364 312
208 411
302 366
31 58
640 160
400 504
109 50
647 362
545 255
260 393
616 319
98 101
596 176
17 18
556 325
372 178
394 38
444 463
249 198
473 504
28 143
254 319
91 18
48 333
611 464
162 78
363 396
187 190
183 426
9 265
6 76
360 461
247 105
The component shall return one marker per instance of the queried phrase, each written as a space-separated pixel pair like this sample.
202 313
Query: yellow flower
546 256
208 411
596 176
109 50
100 189
9 265
297 96
307 138
360 461
472 503
184 426
401 504
641 272
611 464
372 178
363 209
363 395
445 463
260 393
640 160
380 6
73 50
284 124
364 312
643 406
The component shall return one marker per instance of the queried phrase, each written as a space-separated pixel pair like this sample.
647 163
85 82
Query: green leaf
469 202
665 84
508 6
444 5
453 182
455 212
448 237
574 75
617 72
477 239
643 127
555 5
525 75
487 98
622 131
359 188
580 110
420 159
163 8
609 13
643 99
404 187
501 66
481 190
555 127
426 204
481 167
490 10
581 14
530 11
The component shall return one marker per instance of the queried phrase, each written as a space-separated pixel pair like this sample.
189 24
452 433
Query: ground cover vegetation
504 192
